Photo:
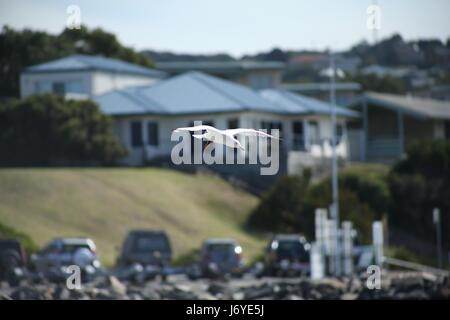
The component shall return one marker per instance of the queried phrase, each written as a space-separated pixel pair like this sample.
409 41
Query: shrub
289 206
46 129
7 232
418 184
280 207
350 208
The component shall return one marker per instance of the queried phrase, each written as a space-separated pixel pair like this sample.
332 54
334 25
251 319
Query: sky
236 27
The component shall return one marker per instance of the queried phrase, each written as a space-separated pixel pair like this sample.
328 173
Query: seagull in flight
225 137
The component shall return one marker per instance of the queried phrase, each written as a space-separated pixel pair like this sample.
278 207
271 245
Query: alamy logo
73 282
226 147
73 20
374 277
373 21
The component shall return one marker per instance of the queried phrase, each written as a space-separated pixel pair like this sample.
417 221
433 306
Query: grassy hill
106 203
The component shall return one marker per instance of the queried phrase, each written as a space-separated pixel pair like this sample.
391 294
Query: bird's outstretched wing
249 132
197 128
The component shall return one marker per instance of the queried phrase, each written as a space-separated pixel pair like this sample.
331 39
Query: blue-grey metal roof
189 93
195 93
80 62
321 86
414 106
293 103
222 67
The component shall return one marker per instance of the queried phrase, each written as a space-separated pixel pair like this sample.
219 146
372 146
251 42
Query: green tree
47 130
418 184
289 206
280 207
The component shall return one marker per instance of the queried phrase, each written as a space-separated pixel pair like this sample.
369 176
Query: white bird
226 137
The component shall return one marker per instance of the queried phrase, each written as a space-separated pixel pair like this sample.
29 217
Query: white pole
334 168
347 228
378 242
437 222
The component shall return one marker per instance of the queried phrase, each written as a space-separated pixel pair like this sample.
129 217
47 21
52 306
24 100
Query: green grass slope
105 204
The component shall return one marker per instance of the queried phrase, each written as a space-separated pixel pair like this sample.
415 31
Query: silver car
64 252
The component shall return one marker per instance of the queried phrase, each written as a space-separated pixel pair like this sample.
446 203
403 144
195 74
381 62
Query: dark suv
287 255
12 256
221 257
146 247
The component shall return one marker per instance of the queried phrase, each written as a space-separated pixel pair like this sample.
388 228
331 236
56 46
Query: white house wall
106 81
28 81
122 128
92 82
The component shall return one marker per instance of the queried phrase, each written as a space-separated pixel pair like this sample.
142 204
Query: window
73 86
261 81
152 133
136 134
447 130
43 86
269 125
59 88
313 132
299 142
204 143
233 123
339 132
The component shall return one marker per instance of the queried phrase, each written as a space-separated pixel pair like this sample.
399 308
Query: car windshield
220 252
151 243
291 250
4 245
71 248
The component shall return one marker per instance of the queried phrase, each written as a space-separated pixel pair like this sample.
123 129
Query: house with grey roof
146 115
254 74
147 106
81 76
389 123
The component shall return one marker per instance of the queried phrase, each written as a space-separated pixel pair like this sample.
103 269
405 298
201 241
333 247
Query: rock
117 287
327 292
266 290
149 294
26 293
216 289
406 284
417 294
61 293
349 296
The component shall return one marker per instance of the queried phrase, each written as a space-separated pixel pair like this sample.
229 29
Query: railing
415 266
383 148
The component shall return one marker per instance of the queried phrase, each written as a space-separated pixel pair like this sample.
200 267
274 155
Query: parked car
12 257
287 255
147 248
220 257
64 252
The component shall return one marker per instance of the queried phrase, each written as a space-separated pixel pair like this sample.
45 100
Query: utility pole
334 167
437 222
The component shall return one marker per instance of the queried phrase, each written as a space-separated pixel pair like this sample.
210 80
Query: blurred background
91 91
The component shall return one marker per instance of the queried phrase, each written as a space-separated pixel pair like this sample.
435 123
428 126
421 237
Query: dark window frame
153 133
136 134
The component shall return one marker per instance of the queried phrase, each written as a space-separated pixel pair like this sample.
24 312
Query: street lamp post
334 167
